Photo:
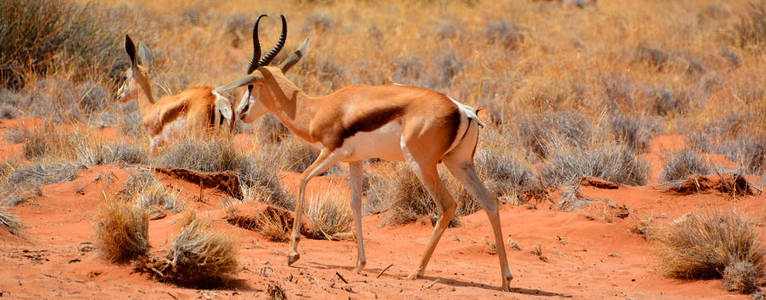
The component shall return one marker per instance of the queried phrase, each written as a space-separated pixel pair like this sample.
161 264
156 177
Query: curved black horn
256 47
280 43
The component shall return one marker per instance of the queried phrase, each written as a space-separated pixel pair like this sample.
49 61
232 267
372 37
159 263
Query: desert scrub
143 189
204 154
39 36
330 214
199 253
707 246
400 191
9 222
22 183
615 163
122 230
683 164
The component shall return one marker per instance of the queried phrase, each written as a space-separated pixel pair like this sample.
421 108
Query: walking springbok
192 111
392 122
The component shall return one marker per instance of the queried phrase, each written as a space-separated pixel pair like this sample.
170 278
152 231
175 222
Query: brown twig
383 271
341 277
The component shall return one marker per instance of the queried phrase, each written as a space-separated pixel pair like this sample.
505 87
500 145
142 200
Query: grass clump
122 230
256 171
199 254
9 222
707 246
330 215
39 35
143 189
615 163
209 154
683 164
274 223
22 183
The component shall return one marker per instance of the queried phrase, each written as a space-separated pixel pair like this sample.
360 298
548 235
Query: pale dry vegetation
685 163
712 245
10 222
122 230
330 214
199 256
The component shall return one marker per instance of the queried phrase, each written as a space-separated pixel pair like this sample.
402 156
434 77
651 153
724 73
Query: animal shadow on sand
449 281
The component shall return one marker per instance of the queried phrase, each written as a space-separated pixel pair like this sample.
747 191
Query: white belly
381 143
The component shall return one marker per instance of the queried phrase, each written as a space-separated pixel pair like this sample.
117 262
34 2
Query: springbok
392 122
193 111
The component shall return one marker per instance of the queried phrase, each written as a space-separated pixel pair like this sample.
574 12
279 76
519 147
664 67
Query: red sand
588 257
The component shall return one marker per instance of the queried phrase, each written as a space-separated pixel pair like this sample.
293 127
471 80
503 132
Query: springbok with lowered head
397 123
193 111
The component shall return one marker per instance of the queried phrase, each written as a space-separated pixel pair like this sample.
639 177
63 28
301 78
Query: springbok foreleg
325 160
355 176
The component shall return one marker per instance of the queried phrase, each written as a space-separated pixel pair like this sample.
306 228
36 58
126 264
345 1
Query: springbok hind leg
324 161
429 176
464 171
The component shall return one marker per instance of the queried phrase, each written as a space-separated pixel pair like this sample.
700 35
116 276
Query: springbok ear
144 58
131 49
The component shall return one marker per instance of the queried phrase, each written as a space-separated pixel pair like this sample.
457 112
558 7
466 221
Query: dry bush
750 32
257 171
541 132
143 189
615 163
742 276
330 214
703 246
400 192
9 222
205 154
24 182
199 253
634 131
571 199
122 230
39 35
257 174
685 163
503 172
51 142
274 223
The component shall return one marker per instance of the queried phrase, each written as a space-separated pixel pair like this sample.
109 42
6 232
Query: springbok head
249 108
137 76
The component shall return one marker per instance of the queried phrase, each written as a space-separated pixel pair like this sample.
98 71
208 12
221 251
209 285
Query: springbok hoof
414 275
292 258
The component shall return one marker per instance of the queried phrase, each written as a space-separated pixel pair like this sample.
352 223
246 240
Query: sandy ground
590 253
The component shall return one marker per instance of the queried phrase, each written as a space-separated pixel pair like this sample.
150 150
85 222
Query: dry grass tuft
683 164
199 256
742 276
206 154
702 246
39 35
615 163
122 230
330 215
143 189
22 183
274 223
9 222
199 253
